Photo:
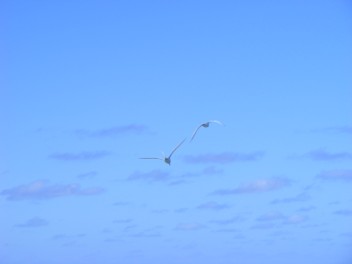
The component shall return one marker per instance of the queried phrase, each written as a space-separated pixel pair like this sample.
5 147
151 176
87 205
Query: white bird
205 125
167 160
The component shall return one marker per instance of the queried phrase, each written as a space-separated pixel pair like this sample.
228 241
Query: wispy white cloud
160 211
211 170
207 171
344 212
323 155
155 231
80 156
225 157
295 219
336 175
344 129
228 230
264 225
346 234
112 240
121 203
123 221
151 176
212 206
170 178
65 237
302 197
107 231
59 237
178 182
181 210
113 131
87 175
271 216
146 234
275 219
189 226
262 185
34 222
130 228
229 221
336 129
306 209
41 190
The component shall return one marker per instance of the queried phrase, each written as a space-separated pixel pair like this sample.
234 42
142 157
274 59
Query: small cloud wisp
113 131
224 158
42 190
258 186
34 222
80 156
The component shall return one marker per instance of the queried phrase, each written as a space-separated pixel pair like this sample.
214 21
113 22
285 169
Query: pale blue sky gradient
89 87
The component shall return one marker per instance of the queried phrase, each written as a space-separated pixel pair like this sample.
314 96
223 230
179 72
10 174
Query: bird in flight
167 160
205 125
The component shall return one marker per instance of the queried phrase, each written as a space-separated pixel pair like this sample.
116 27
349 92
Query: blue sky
89 87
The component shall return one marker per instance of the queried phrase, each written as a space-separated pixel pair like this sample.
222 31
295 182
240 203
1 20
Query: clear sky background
89 87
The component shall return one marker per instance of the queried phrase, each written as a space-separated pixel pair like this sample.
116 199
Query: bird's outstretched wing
152 158
172 152
216 121
195 132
